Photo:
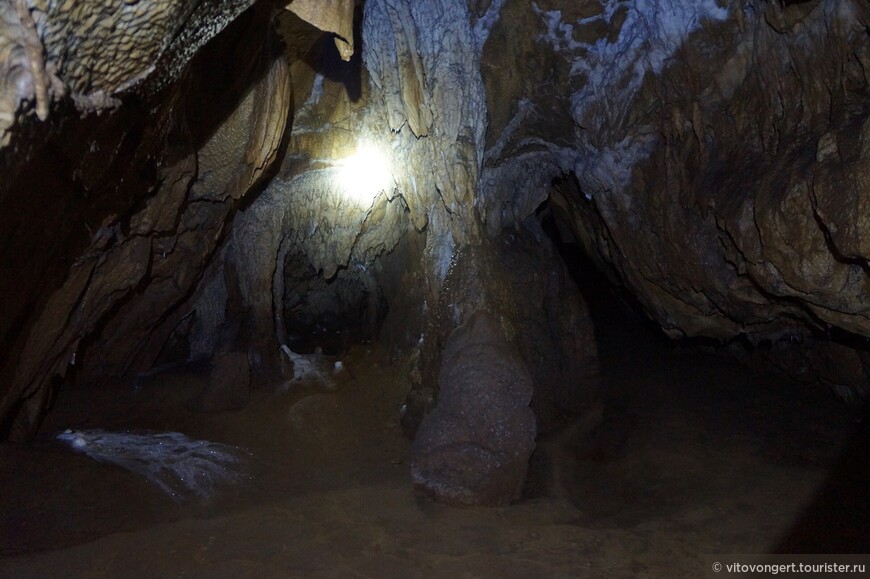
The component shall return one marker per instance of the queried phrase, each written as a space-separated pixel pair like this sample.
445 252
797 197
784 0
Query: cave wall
717 159
110 219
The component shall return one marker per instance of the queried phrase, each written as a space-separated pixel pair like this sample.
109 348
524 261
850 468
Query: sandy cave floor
689 455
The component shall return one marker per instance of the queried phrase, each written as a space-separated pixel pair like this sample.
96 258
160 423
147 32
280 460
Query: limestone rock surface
520 280
135 205
475 446
334 16
712 157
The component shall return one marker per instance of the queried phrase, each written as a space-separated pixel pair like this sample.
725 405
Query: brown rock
474 448
521 281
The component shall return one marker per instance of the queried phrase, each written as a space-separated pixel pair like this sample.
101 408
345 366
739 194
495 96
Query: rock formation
713 159
474 448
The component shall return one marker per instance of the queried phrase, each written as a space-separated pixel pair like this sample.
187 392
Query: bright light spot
364 174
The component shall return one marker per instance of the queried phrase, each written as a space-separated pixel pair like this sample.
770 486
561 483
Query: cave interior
482 288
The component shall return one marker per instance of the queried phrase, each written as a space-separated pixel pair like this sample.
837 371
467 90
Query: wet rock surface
474 447
520 279
716 158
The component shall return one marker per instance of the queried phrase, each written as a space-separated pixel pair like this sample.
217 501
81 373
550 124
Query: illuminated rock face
97 52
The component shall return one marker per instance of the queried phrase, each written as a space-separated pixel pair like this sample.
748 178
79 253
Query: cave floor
689 455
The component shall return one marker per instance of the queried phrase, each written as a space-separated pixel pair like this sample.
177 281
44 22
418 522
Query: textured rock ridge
425 66
99 52
112 308
716 157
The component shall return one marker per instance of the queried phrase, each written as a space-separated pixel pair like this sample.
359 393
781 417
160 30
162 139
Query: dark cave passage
689 398
330 314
